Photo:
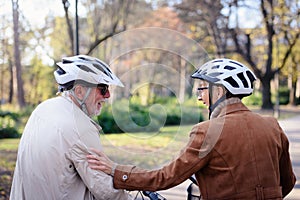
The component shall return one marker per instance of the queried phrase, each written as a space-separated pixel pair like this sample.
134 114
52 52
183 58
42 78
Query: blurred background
35 34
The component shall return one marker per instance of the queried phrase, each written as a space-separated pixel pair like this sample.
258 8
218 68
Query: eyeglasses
103 89
201 89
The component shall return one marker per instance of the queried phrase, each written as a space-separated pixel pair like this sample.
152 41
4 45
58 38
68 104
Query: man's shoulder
55 103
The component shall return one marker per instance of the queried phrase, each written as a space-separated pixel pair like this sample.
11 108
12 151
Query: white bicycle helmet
84 69
234 76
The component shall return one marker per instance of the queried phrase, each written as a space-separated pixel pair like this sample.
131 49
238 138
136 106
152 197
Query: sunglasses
103 89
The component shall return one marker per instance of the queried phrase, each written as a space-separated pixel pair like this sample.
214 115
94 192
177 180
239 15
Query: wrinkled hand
99 161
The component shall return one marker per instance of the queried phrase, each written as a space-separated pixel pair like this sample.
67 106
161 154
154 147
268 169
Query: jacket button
125 177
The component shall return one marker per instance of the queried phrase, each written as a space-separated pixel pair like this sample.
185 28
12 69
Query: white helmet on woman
85 70
234 76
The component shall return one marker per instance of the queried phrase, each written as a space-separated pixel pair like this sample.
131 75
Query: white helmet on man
234 76
86 70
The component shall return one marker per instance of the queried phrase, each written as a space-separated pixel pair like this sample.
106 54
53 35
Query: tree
39 81
207 24
17 57
165 17
103 20
293 73
248 42
66 5
284 25
6 55
287 18
59 41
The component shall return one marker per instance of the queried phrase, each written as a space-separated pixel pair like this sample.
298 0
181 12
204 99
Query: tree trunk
66 5
17 57
182 68
11 80
292 83
292 89
266 94
292 99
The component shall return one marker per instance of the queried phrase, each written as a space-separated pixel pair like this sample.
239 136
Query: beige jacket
51 162
236 155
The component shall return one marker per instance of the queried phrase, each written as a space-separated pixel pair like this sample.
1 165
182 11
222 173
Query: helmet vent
232 82
60 71
216 67
215 74
85 68
103 69
204 72
64 61
242 78
229 67
251 77
84 58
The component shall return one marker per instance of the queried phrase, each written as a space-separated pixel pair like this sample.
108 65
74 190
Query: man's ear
79 91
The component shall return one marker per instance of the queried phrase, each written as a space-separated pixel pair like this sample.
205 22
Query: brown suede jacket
236 155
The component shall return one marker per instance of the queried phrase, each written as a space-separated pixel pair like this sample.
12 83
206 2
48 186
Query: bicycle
192 190
150 195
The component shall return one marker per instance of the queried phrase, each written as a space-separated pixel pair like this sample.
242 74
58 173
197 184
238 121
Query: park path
291 126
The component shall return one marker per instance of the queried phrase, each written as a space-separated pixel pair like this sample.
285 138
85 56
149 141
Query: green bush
298 101
125 116
9 132
284 95
9 115
192 115
8 122
107 121
256 98
123 121
253 100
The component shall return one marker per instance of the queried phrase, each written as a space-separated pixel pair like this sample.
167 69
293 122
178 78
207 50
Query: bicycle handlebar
157 196
153 195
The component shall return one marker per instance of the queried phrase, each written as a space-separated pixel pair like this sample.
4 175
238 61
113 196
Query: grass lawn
8 154
148 150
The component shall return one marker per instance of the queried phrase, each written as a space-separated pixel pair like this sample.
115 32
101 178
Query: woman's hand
100 161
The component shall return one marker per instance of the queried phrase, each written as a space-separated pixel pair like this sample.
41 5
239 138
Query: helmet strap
82 103
211 105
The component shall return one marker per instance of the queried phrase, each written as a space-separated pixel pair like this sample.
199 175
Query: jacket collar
228 106
65 96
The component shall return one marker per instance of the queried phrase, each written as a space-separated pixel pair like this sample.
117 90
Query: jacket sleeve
287 177
186 164
98 183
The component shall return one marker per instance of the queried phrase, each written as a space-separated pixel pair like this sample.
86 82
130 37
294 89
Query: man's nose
107 94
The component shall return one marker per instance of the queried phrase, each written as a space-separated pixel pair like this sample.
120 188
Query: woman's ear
221 91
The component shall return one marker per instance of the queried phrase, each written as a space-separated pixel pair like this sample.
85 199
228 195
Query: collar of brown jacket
220 111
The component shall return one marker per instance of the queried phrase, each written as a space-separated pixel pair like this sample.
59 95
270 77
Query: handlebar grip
153 195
